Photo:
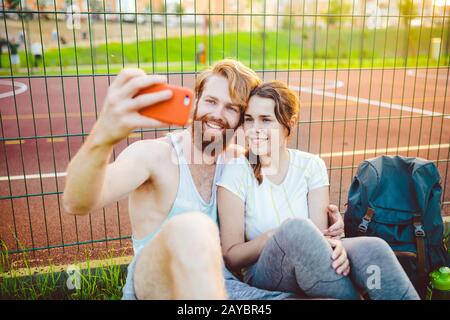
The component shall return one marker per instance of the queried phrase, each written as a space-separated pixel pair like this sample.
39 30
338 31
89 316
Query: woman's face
262 130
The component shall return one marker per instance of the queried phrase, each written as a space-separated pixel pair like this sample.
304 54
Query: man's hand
120 113
336 229
340 261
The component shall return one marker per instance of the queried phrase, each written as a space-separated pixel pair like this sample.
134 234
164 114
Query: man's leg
183 261
375 268
298 259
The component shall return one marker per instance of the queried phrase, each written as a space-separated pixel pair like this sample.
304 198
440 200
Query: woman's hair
287 105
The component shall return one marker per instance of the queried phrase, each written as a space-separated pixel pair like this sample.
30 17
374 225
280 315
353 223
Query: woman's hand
336 229
267 235
340 260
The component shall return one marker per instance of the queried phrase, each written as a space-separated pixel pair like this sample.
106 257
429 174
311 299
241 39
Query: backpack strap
364 225
362 228
419 234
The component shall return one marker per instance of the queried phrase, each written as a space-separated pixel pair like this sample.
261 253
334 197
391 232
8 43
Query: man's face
216 113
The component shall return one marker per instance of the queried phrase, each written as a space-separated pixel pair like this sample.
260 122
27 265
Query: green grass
312 48
104 283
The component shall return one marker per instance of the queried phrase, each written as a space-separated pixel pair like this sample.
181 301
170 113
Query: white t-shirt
267 205
36 49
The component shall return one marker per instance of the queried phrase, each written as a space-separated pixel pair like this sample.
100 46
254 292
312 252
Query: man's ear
194 108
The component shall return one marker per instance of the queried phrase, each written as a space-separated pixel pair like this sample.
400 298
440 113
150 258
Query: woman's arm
318 200
236 252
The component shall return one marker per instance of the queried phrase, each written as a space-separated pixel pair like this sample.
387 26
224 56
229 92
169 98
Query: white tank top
188 198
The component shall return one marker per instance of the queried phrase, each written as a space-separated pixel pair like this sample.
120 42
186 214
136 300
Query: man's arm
91 182
335 223
318 208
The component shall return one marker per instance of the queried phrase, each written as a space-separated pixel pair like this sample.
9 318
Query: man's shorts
236 289
15 59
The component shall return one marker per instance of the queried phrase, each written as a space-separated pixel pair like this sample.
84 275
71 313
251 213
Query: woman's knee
297 229
367 248
300 236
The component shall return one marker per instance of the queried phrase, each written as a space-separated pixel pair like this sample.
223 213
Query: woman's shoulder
304 157
239 160
236 176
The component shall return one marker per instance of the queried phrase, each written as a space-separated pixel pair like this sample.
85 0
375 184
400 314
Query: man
14 50
36 51
172 204
3 42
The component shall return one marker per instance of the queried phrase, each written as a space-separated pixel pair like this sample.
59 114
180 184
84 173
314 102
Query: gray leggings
298 259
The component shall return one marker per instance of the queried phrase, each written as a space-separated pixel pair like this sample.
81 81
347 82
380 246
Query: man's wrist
99 139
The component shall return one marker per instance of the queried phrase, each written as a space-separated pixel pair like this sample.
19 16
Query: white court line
22 88
384 150
371 102
412 73
34 176
323 155
337 84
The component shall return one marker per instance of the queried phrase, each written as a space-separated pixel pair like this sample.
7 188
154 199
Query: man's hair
241 80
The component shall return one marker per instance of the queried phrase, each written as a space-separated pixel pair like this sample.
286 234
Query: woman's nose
257 126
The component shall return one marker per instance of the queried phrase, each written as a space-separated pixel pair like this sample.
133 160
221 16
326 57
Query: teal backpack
399 200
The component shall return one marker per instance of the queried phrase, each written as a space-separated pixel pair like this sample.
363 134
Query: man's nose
219 112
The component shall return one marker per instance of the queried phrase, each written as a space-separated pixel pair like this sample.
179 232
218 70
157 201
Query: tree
179 10
336 9
407 9
13 4
96 6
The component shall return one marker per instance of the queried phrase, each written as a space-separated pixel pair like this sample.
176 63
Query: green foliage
12 4
337 8
179 9
295 49
104 283
408 9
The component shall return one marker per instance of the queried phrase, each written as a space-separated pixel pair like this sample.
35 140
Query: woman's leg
375 268
298 259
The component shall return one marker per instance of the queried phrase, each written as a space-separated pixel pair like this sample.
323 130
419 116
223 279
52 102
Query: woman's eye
267 120
211 101
248 119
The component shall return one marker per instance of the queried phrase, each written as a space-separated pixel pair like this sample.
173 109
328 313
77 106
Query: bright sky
441 2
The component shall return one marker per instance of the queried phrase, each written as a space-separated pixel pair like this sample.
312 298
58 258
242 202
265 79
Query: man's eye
234 109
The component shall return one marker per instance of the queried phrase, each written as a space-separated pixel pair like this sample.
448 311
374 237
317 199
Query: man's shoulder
148 150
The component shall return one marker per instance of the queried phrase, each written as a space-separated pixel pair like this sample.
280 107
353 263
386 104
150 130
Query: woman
272 204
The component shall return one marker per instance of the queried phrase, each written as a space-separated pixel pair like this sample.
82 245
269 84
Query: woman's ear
293 121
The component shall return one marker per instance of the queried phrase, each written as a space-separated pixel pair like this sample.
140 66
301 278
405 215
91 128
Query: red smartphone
176 110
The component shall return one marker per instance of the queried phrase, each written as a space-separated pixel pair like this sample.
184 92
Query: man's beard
213 142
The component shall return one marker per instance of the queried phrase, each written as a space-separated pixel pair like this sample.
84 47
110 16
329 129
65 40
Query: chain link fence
372 77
